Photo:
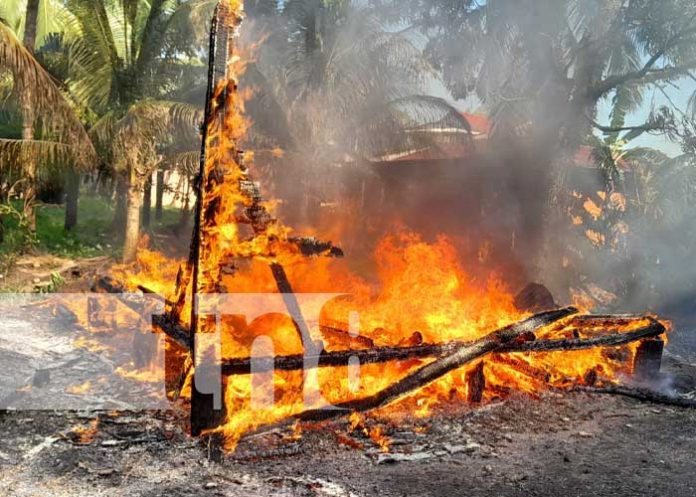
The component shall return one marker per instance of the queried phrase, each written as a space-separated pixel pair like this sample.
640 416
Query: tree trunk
121 193
32 16
72 191
558 262
29 164
132 232
147 202
184 215
159 195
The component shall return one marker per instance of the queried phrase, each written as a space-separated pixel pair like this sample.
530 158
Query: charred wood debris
445 357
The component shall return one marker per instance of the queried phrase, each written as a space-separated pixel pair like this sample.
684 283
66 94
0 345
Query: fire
80 389
421 291
85 434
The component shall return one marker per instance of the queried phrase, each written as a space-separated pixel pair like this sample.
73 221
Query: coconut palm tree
127 60
542 67
333 84
51 131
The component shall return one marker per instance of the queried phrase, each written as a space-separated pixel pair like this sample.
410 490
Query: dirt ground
562 444
576 444
38 272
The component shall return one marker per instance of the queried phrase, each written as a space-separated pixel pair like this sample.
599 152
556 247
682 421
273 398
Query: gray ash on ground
578 443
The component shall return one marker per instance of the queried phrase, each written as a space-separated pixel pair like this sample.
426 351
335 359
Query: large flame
421 291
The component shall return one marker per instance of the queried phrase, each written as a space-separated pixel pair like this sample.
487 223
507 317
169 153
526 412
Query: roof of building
481 127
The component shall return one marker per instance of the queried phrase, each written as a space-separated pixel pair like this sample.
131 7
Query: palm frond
691 106
49 103
647 156
186 115
187 163
409 123
45 152
93 53
627 99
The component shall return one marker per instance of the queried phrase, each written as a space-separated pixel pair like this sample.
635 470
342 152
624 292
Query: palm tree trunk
147 202
28 161
159 195
184 215
121 193
132 233
31 24
72 190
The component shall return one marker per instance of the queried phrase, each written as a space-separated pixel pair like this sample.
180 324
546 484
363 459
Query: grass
90 238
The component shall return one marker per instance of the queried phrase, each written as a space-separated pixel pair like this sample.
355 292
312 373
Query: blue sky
679 94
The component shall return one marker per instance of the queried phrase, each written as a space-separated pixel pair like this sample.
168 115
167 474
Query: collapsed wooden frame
521 337
446 357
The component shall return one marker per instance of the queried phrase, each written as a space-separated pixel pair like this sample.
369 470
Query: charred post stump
207 387
648 359
476 383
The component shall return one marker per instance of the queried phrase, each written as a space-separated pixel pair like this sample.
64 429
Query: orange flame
422 291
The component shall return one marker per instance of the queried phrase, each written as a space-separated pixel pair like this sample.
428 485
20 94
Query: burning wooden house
427 337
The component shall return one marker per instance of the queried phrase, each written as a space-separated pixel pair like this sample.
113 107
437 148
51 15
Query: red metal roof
479 123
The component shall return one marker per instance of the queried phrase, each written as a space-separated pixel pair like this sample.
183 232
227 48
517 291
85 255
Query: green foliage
534 60
89 239
333 80
53 285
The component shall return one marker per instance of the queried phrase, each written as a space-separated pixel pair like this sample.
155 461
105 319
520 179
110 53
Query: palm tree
541 68
126 59
333 83
51 131
29 162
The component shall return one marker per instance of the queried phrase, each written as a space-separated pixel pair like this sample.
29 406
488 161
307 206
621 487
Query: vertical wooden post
204 413
204 416
159 195
476 383
648 359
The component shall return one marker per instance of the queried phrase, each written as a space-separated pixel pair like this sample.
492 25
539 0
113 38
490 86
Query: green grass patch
92 237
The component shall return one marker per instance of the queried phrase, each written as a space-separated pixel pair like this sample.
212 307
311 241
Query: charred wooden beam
614 338
296 362
334 334
310 246
293 306
476 384
175 331
644 394
598 320
464 354
522 367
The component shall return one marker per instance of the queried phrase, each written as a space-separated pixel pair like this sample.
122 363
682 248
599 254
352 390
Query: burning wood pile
474 347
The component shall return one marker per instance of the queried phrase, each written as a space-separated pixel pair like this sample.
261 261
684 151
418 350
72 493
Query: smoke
345 90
